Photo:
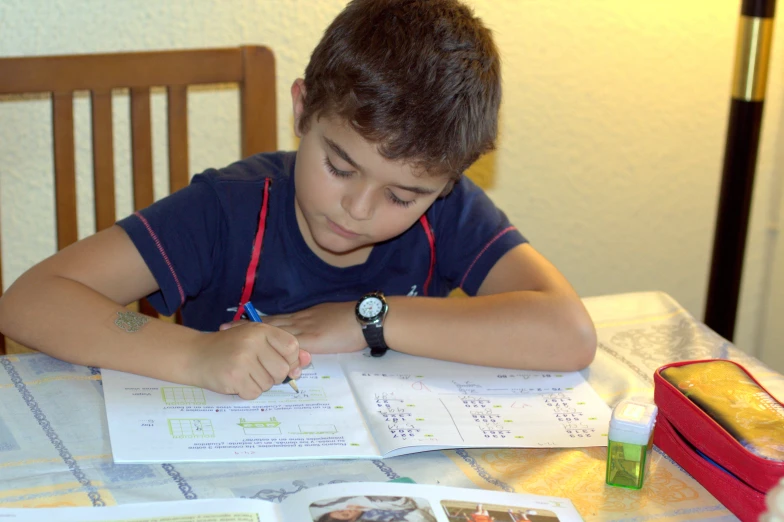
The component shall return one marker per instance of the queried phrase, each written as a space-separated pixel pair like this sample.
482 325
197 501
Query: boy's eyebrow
416 190
337 149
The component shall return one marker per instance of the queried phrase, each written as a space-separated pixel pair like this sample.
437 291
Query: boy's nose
358 203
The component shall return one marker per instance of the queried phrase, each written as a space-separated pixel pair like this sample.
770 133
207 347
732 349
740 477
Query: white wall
771 332
612 136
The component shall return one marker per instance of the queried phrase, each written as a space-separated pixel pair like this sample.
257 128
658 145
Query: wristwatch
370 311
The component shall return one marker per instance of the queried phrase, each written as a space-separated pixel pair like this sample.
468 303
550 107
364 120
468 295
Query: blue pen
250 311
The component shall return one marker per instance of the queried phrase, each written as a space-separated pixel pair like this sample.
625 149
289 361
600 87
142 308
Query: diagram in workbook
191 428
182 395
270 426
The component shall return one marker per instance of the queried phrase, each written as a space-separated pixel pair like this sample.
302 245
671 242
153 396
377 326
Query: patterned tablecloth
55 451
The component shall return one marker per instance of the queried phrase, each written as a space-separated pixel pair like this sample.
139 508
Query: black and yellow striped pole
752 55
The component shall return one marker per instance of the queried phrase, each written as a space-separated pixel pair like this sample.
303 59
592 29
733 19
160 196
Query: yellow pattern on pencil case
727 393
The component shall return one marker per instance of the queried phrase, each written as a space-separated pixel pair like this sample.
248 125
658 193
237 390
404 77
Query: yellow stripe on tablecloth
56 378
57 495
32 462
578 474
651 319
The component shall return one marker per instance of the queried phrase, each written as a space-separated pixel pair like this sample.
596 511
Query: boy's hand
324 328
247 359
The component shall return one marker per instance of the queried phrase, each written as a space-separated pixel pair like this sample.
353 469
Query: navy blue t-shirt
197 243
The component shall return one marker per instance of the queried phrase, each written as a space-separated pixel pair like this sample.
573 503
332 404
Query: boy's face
349 197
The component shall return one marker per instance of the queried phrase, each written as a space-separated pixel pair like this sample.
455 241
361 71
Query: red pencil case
724 428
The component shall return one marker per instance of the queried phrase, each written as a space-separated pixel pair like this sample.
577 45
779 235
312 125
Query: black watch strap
374 336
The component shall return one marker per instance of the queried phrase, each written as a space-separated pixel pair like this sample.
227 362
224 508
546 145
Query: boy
341 245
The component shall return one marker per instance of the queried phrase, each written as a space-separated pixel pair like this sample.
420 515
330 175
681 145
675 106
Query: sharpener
630 443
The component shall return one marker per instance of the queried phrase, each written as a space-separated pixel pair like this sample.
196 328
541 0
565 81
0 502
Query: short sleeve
179 238
472 234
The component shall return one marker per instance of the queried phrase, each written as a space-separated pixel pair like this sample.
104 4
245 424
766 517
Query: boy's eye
334 171
346 174
397 201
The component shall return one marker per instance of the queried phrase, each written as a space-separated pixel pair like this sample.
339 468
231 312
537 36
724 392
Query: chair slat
257 95
141 145
118 70
64 168
103 159
177 107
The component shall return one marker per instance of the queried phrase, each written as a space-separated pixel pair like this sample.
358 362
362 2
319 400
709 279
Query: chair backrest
252 67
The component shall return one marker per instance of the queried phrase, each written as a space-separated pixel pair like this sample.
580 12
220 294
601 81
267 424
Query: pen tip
293 384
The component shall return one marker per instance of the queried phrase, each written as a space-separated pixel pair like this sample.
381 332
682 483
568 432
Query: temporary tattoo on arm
131 321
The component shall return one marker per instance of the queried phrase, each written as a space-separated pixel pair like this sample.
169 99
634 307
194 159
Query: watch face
370 307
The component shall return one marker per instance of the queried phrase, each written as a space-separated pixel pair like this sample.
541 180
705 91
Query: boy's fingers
302 361
263 378
249 390
285 344
275 366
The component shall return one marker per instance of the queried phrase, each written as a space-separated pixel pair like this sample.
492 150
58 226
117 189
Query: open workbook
353 502
355 406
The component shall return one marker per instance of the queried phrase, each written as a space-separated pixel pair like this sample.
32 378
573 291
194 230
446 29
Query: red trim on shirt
489 243
163 254
250 275
431 239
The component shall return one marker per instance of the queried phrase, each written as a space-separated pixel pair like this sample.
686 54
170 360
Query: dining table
55 448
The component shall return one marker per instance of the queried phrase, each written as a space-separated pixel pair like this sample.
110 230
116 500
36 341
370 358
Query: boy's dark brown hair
421 78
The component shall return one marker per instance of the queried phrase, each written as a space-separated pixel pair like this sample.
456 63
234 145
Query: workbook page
155 421
413 404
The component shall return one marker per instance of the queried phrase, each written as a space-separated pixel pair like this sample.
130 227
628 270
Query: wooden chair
252 67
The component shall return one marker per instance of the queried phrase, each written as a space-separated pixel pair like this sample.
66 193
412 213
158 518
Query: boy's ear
298 103
448 188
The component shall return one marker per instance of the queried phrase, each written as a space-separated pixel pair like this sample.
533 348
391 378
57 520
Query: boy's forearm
524 330
79 325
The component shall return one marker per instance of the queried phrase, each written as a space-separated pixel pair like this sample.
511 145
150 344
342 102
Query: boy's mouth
343 232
